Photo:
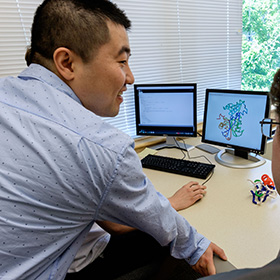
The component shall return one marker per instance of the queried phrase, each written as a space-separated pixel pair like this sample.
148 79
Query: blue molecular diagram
231 125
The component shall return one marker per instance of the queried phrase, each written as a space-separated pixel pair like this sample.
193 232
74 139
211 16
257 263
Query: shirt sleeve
132 200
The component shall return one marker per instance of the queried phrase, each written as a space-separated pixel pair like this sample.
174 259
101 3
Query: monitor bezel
235 147
157 128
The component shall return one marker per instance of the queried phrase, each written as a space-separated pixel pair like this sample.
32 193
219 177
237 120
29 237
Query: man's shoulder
107 136
48 98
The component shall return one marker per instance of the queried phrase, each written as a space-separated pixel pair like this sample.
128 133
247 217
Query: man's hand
205 265
187 196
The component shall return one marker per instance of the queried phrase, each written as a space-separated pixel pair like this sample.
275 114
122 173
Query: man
62 167
270 271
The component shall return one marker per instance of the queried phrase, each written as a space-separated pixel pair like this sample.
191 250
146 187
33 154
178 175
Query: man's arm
182 199
132 200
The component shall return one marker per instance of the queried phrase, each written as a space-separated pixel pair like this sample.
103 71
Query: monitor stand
238 159
171 142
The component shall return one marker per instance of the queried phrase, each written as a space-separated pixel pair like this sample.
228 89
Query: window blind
15 21
172 41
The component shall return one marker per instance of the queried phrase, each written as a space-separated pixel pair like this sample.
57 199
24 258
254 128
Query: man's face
101 82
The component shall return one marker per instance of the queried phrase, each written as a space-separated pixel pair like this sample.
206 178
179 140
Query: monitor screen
166 109
232 119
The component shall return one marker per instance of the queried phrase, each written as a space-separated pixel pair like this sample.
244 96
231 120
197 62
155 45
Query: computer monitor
166 110
232 119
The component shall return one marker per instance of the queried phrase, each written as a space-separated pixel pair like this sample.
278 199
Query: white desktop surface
248 233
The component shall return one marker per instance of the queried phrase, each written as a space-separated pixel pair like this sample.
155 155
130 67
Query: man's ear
64 61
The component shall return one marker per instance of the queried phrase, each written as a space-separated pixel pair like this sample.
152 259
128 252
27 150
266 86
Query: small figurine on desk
263 189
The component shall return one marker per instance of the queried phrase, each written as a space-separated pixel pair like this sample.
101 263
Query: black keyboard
178 166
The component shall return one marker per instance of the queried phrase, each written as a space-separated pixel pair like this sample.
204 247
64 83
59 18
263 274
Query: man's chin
112 114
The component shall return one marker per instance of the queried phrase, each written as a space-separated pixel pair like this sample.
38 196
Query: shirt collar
39 72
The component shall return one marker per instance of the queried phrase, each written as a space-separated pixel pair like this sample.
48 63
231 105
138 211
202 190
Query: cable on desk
187 152
189 157
209 177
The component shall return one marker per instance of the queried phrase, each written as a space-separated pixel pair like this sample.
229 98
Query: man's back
48 182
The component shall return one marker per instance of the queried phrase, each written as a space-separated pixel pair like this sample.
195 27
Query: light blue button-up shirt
61 169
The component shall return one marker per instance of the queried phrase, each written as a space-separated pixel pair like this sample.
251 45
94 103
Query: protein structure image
231 126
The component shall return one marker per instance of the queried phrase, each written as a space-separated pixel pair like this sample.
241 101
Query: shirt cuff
202 247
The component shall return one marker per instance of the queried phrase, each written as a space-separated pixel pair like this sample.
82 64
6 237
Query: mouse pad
222 266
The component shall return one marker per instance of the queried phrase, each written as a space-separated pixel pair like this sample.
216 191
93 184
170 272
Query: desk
249 233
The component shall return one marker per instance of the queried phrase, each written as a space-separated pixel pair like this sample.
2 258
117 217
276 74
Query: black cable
209 177
194 157
189 157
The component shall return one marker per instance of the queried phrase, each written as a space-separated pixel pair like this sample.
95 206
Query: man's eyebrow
124 49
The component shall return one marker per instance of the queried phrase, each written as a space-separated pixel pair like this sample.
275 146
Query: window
261 43
172 41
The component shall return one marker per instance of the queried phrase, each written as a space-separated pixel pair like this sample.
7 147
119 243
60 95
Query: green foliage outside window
260 43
